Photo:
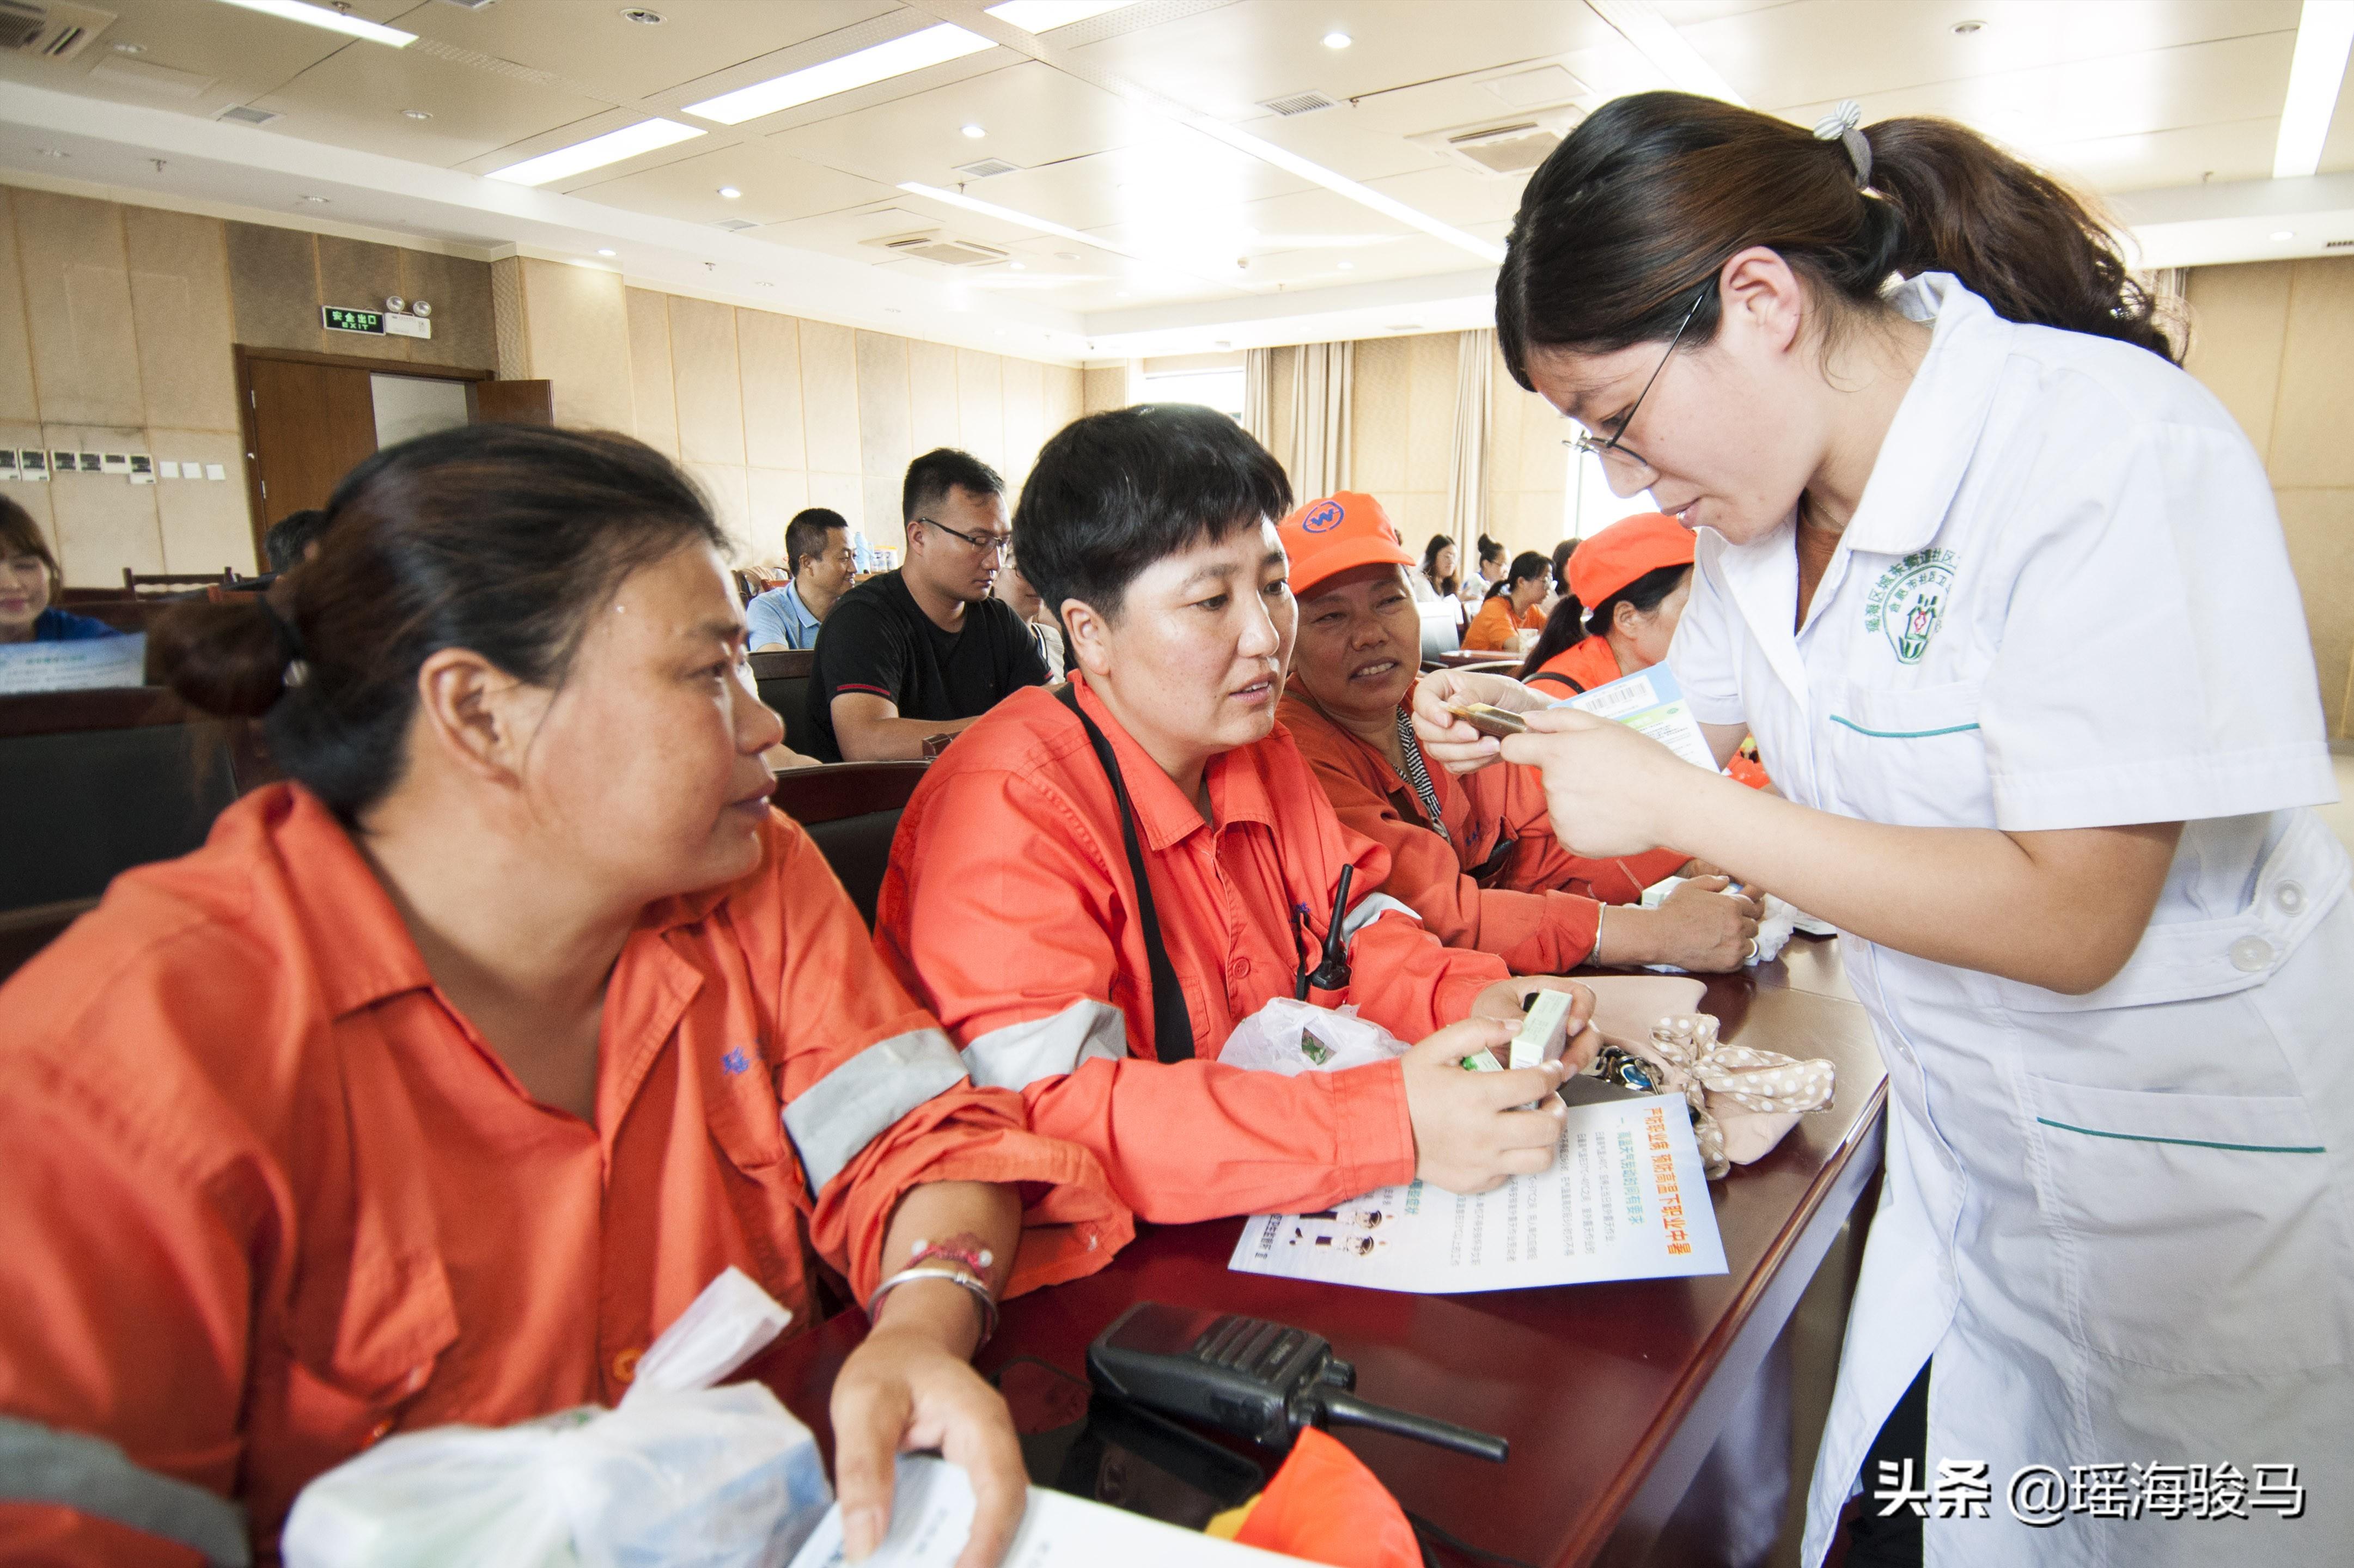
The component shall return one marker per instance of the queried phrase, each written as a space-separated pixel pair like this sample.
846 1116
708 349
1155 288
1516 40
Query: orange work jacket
1009 910
1492 628
267 1196
1500 881
1580 667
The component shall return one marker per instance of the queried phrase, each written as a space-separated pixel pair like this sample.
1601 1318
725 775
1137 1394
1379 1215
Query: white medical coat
2119 1222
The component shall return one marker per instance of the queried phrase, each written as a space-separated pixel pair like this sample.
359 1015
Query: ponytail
1652 193
1564 628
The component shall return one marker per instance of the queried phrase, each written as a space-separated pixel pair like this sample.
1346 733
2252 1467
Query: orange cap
1608 561
1325 538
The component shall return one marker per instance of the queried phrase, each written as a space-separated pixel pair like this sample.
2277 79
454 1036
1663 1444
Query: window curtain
1259 395
1321 422
1467 463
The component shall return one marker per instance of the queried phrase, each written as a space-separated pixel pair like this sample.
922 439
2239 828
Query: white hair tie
1840 126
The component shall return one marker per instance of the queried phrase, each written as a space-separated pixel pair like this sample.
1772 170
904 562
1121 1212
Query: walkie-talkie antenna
1339 1409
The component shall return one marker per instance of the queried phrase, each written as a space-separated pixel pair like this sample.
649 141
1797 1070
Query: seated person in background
1483 578
1045 630
1627 590
1092 888
1511 606
29 579
925 650
1557 586
1475 856
452 1069
818 557
293 539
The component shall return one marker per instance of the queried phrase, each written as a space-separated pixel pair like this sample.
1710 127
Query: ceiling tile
356 98
777 186
1033 114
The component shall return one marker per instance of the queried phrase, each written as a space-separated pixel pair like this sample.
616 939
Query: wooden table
1612 1394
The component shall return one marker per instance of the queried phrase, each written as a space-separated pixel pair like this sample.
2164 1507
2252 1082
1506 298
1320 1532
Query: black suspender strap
1173 1023
1575 689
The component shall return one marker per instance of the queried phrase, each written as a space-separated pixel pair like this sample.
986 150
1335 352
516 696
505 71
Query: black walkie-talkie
1259 1380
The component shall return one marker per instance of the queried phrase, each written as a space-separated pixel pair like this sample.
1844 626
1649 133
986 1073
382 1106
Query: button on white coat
2250 954
2290 897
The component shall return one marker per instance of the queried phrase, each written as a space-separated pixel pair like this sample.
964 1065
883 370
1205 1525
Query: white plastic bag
1777 919
1295 1037
680 1473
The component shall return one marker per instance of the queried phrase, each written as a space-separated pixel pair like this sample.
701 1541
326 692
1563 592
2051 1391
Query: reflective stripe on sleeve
92 1476
1020 1054
836 1118
1369 908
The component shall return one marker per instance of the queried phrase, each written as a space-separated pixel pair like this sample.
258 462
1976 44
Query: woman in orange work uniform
1510 606
1092 890
449 1071
1475 856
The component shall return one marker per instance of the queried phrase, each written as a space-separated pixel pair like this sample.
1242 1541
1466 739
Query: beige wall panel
768 357
878 498
886 418
932 397
723 484
981 406
1283 374
2239 320
1065 397
1104 387
652 395
206 525
78 305
846 493
508 324
2309 444
35 497
830 399
273 278
776 494
1542 462
459 289
104 523
1421 514
179 302
1381 398
1430 433
1024 421
2320 524
576 336
358 273
707 373
17 398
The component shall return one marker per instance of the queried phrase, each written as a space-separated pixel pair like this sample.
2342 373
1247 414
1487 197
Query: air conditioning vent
1299 103
939 247
246 114
734 225
986 169
1508 149
56 31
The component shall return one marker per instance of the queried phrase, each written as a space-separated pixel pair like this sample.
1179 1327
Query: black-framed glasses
1589 445
987 544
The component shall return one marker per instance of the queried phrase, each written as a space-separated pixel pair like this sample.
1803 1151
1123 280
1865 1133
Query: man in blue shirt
817 554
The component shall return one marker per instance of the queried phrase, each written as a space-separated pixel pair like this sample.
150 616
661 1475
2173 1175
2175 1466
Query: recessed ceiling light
608 253
975 132
1337 39
129 48
2325 35
644 17
1963 30
416 114
1121 295
2281 234
1347 266
596 152
730 191
315 200
334 21
1067 255
53 153
1018 267
912 51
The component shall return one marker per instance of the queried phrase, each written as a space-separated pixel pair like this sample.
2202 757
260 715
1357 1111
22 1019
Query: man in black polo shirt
925 650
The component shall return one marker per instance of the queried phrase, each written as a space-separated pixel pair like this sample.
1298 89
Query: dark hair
805 534
1561 555
20 535
500 538
1490 550
283 547
1526 566
1116 491
1632 217
1430 554
1570 623
931 476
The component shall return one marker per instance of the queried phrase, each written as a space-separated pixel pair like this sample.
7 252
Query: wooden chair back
783 678
852 811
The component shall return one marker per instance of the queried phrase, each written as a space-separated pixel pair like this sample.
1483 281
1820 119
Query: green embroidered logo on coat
1908 602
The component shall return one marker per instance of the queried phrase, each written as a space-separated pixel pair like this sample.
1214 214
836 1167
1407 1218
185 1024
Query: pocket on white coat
2200 1232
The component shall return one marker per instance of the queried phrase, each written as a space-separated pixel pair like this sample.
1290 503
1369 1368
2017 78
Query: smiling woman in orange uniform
1092 890
1475 856
449 1071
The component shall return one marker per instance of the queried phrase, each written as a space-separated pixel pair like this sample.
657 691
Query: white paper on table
74 666
1650 701
1626 1198
932 1513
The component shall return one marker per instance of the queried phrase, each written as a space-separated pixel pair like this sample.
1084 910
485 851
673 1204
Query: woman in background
1627 590
1511 606
29 580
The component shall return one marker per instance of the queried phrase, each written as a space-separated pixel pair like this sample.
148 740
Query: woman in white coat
2002 594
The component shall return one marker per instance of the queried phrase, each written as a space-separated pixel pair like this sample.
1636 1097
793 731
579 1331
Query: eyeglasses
987 544
1589 445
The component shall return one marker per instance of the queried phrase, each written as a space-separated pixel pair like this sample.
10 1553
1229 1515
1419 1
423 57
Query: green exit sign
339 318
